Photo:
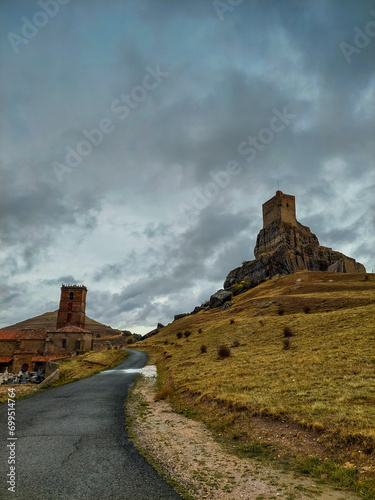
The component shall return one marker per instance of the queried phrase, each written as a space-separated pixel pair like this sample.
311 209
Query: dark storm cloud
225 79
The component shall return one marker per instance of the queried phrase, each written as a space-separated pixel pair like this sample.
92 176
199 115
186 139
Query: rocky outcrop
153 332
219 298
284 246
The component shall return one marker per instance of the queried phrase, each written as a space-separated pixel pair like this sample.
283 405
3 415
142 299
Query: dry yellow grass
89 364
325 382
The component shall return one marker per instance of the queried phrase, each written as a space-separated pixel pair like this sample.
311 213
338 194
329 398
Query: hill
48 321
299 377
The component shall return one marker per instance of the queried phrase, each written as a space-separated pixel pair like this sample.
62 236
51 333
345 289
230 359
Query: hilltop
299 378
47 321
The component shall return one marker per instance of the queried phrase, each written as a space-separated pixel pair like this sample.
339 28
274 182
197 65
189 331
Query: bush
306 309
288 332
187 334
200 330
286 344
280 311
179 335
236 343
131 340
223 351
98 335
203 349
231 321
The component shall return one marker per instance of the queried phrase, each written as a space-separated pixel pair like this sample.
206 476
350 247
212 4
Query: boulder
219 298
226 305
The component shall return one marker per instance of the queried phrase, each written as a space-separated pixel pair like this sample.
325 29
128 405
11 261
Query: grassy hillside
300 377
48 321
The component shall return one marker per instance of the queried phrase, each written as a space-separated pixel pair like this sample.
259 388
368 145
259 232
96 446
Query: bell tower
72 306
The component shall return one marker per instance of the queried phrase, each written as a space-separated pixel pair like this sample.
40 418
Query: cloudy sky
140 138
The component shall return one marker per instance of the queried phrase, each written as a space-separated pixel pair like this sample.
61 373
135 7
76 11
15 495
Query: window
71 296
63 343
69 317
287 205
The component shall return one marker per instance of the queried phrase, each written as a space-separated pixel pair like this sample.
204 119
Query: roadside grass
88 364
324 383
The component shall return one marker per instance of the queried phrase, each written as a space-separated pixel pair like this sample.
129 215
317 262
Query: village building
30 350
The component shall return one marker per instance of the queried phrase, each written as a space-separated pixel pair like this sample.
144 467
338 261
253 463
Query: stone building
30 350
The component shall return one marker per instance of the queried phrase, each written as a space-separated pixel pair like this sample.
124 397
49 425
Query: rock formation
284 246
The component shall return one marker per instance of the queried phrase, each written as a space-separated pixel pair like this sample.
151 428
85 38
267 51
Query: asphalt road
72 443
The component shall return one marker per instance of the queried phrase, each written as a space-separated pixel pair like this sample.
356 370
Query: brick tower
72 306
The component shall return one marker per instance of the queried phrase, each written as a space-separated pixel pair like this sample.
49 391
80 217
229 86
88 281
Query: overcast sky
140 138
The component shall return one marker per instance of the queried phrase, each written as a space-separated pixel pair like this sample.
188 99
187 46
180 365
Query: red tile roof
5 359
23 334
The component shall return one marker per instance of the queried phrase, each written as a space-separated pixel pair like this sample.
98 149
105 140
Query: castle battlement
73 286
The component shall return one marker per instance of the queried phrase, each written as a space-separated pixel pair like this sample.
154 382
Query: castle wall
280 207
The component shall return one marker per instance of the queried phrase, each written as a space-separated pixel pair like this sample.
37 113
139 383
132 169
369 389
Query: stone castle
30 350
284 246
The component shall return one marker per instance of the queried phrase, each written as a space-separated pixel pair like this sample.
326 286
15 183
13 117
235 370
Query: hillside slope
300 374
48 321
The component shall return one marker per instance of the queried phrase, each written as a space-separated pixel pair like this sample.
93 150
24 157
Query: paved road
72 443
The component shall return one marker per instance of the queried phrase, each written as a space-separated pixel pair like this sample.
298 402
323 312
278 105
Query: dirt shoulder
184 451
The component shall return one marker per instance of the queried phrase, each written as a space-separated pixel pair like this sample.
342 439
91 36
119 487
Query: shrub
166 342
131 340
98 335
236 343
179 335
231 321
223 351
288 332
286 344
187 333
261 322
200 330
203 349
281 311
306 309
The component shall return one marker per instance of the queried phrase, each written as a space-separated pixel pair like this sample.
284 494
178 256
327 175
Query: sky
139 139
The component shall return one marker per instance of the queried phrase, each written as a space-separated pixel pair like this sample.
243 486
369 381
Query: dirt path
185 450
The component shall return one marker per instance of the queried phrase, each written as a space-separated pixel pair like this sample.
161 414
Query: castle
30 350
284 246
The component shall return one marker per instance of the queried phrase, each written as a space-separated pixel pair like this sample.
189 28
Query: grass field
300 375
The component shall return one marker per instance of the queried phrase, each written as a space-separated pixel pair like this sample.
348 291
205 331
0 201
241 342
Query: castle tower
72 306
282 207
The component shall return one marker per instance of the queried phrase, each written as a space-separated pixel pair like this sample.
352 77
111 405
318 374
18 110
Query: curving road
72 443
